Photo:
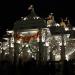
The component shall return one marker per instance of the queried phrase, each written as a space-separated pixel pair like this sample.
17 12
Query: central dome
31 21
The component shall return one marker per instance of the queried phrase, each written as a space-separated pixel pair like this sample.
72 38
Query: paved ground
31 68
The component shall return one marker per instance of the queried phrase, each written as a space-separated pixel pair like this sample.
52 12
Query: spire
32 13
30 7
50 20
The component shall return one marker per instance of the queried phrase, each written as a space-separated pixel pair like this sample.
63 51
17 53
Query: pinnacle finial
30 7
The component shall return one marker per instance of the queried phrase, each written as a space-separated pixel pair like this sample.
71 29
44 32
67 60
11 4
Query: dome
31 21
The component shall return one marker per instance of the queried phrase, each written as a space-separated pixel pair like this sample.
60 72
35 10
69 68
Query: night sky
12 10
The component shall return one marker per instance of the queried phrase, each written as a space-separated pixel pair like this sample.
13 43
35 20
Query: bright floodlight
25 18
57 57
21 17
19 41
66 29
26 45
48 25
10 31
6 53
57 24
46 43
37 17
12 45
29 51
5 38
67 57
73 28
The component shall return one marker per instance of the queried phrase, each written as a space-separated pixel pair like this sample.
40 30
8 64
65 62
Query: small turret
50 20
62 23
67 22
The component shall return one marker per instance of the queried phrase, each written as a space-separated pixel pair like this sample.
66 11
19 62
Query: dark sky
12 10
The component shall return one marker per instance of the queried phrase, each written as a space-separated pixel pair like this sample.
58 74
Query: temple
39 38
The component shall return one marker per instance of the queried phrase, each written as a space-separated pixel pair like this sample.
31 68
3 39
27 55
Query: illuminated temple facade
41 39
